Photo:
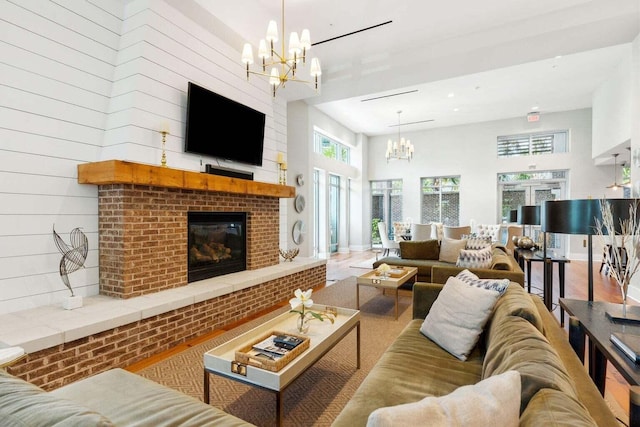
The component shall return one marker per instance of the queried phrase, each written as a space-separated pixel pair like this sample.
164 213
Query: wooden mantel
124 172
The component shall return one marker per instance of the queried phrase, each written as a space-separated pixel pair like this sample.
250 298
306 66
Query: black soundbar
231 173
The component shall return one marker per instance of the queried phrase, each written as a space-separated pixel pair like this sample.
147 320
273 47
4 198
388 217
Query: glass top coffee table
373 279
323 337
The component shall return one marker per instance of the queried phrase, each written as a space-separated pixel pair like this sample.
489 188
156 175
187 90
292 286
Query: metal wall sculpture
73 255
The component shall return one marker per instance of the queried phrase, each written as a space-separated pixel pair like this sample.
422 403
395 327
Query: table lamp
529 215
579 217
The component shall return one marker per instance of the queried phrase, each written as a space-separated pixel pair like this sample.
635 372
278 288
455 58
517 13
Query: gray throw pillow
457 317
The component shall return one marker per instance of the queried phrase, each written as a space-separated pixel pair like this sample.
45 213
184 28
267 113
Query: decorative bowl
526 243
289 254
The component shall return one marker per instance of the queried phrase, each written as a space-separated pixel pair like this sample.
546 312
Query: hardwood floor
340 266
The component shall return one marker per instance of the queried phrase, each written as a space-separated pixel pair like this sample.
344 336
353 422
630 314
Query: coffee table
323 337
372 279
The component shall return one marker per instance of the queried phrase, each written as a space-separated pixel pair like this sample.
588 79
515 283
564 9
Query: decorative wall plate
297 232
300 180
299 203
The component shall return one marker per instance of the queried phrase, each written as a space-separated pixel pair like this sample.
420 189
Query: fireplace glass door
217 244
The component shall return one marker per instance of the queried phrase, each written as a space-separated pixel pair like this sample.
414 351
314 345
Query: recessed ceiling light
456 109
558 56
535 108
451 95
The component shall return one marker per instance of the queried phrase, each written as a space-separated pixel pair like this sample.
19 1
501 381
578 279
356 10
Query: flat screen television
222 128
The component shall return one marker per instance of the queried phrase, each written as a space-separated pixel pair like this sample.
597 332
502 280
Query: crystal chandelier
284 65
400 149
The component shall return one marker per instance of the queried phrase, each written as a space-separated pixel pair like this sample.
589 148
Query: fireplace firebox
217 244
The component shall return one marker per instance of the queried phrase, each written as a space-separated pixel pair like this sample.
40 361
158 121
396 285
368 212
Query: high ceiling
446 63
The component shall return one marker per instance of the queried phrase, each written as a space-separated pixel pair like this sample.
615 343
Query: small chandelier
284 65
400 149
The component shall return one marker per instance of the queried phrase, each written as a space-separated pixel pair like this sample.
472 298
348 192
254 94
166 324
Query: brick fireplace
143 234
143 250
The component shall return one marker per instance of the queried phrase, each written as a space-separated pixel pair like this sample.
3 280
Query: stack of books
275 346
628 343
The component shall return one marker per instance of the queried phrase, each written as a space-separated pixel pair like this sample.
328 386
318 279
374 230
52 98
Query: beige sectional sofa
112 398
433 267
520 335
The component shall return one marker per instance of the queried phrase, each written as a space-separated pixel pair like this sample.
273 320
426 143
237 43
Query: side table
589 319
527 256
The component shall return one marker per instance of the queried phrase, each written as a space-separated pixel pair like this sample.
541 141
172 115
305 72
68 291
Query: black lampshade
513 215
579 216
529 215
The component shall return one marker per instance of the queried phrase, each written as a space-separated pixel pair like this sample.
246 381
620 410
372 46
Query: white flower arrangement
383 269
304 299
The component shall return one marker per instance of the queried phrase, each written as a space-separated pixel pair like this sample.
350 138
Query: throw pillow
450 248
471 279
472 258
474 242
494 401
457 317
423 249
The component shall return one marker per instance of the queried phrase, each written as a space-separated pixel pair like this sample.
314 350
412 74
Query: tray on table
246 354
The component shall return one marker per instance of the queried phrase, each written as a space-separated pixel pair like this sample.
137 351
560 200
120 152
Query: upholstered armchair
452 232
492 230
420 232
387 243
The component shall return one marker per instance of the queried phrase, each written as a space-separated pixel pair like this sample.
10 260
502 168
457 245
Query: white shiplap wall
88 80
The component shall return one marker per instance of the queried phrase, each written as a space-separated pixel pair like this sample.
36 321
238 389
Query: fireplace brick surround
143 248
143 234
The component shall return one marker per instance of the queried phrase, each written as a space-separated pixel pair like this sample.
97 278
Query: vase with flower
384 269
301 304
621 238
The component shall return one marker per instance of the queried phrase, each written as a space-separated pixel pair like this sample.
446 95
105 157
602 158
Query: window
532 188
441 200
386 206
533 144
330 148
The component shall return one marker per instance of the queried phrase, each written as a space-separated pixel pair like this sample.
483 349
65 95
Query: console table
589 319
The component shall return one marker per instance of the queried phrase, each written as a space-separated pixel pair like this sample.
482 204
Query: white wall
82 81
612 110
470 151
302 121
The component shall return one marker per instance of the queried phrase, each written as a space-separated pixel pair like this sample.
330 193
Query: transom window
331 148
533 144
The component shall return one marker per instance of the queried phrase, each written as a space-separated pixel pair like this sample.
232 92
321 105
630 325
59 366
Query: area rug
368 264
318 395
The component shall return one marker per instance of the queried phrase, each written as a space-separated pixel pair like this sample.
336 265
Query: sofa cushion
132 400
458 316
493 401
515 302
474 258
450 248
500 260
552 408
422 249
516 344
471 279
25 404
